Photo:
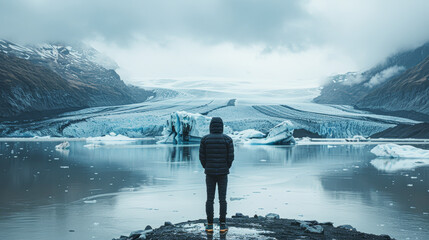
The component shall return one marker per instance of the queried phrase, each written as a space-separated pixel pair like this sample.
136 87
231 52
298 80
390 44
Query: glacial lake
109 191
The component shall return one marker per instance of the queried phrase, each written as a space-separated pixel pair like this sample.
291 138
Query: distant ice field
240 110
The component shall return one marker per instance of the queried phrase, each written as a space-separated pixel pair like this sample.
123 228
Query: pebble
272 216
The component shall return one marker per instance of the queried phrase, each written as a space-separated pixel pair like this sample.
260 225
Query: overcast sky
280 44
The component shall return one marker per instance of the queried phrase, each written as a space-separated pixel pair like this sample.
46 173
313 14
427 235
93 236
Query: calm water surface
112 190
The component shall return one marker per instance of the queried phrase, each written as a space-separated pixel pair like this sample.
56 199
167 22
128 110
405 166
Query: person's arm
230 151
203 152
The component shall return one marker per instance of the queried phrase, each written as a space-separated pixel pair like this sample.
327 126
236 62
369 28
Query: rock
314 229
148 227
347 227
272 216
295 223
308 226
168 224
240 215
327 223
136 234
71 230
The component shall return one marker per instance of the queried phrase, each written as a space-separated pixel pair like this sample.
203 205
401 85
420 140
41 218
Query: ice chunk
280 134
42 137
356 138
393 165
62 146
111 139
392 150
249 133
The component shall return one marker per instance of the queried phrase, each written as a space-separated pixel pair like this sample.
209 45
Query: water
105 192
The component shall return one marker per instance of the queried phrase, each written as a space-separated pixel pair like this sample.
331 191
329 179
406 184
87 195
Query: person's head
216 125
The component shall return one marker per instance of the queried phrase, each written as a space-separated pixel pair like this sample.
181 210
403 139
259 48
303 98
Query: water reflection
142 182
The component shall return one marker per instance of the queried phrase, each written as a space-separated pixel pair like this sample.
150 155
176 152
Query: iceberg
182 127
281 134
392 150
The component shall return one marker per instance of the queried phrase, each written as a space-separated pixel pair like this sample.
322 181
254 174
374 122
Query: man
216 156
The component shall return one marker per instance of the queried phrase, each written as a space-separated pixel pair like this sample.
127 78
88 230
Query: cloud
276 38
210 21
384 75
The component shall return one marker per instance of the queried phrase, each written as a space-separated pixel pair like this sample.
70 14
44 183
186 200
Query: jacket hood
216 125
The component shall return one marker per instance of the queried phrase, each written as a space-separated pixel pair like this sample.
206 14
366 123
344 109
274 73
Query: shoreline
257 227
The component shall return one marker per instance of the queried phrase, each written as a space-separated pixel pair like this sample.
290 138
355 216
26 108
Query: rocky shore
257 227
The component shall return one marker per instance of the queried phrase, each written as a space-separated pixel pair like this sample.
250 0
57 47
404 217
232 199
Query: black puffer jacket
216 150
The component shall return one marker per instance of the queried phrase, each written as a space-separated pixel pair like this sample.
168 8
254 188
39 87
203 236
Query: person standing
216 157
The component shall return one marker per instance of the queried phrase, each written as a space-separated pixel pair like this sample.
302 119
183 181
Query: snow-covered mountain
351 87
89 76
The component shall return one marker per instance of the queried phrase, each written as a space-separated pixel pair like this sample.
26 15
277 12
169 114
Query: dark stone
240 215
148 227
347 227
71 230
167 224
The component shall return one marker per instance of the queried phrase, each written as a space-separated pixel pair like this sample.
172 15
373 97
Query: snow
392 150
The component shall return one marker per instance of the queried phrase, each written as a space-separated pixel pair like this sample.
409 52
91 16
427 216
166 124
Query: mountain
58 77
349 88
408 92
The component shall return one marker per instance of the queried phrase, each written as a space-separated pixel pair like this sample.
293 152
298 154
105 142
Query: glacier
244 110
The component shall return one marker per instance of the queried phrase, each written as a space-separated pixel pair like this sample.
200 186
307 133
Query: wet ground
253 229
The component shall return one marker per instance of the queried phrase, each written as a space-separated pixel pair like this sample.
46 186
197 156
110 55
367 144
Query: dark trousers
222 182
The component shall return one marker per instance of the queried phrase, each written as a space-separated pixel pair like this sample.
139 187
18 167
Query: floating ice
110 139
190 127
62 146
186 127
42 137
392 150
278 135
